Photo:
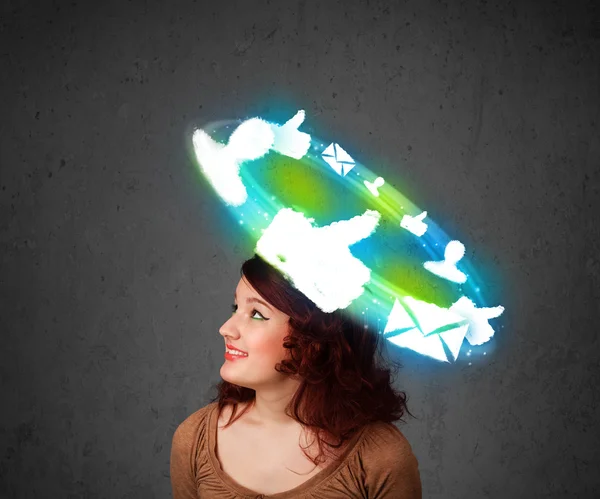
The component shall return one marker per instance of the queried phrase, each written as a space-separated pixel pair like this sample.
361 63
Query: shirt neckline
312 482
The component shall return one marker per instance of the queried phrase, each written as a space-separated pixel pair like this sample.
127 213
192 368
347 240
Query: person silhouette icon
373 186
446 268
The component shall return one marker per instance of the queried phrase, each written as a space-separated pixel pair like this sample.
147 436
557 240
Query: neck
269 409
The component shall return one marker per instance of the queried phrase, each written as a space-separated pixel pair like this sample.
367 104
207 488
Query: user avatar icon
373 186
446 268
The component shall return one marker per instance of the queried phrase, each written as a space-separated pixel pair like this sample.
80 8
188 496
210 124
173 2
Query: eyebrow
254 300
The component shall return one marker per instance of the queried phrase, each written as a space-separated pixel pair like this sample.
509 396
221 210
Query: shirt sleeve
397 479
183 482
393 470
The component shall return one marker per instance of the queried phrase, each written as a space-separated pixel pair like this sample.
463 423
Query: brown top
377 463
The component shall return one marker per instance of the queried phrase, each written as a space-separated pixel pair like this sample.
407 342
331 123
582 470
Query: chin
234 380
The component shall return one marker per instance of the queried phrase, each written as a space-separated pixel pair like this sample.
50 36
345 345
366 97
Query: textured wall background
114 282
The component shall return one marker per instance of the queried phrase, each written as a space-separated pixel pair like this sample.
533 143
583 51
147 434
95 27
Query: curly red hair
342 386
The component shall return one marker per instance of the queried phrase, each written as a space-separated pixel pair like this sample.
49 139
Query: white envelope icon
425 328
338 159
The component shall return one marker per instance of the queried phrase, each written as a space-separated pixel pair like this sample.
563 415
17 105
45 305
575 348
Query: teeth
235 352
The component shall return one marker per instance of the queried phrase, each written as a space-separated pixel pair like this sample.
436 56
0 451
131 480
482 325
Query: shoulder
186 452
386 438
390 465
192 430
199 416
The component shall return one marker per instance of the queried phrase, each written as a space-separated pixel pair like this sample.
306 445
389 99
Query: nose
229 329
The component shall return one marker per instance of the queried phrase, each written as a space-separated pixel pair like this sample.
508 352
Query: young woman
303 410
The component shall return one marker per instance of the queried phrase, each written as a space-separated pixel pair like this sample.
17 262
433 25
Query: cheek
270 346
269 349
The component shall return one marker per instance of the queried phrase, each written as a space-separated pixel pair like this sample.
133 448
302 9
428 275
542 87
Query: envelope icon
425 328
432 345
338 159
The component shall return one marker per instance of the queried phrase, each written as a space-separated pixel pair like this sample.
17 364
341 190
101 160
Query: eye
254 311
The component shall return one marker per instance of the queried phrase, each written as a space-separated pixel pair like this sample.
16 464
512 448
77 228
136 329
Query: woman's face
258 328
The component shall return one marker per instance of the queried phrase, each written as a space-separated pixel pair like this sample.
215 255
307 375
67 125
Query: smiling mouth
235 355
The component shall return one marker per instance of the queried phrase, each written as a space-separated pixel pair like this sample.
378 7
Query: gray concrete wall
114 281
